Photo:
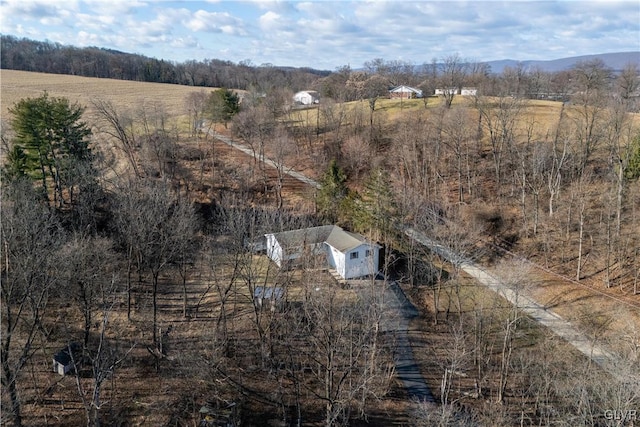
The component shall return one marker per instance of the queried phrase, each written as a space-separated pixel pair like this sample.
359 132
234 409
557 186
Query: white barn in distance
307 97
351 255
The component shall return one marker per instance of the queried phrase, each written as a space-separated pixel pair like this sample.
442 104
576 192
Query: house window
367 253
353 255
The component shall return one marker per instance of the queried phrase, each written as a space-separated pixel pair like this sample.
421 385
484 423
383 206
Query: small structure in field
271 296
307 97
351 255
65 360
404 92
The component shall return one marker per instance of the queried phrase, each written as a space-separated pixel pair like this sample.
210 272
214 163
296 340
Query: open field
123 94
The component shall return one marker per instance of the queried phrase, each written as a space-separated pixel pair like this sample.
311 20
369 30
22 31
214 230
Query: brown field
124 94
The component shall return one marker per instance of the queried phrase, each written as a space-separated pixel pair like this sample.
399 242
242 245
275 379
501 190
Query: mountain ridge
615 60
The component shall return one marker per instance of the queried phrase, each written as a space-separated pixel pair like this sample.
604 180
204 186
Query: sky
325 34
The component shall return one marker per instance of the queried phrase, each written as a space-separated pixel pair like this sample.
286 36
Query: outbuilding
307 97
65 360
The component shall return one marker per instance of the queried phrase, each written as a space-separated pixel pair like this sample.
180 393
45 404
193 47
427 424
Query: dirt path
526 304
268 162
398 313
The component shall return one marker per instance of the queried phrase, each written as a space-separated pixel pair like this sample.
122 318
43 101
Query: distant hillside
47 57
616 61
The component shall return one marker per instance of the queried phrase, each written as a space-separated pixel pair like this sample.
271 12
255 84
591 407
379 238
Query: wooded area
133 235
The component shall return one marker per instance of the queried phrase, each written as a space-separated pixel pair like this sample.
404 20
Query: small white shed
63 360
307 97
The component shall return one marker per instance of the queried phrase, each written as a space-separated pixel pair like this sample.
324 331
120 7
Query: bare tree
105 356
357 156
591 81
195 104
342 349
500 120
560 161
457 135
282 147
452 74
31 237
120 127
514 277
86 262
158 147
160 226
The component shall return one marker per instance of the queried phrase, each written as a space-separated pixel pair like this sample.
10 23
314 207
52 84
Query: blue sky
326 34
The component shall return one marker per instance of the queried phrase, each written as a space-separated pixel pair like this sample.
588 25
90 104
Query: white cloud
215 22
329 34
272 21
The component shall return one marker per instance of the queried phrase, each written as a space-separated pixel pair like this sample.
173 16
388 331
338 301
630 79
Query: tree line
49 57
450 73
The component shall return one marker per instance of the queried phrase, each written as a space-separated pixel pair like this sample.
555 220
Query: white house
468 91
306 97
351 255
447 91
404 92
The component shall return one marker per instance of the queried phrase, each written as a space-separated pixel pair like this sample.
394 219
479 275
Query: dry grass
17 85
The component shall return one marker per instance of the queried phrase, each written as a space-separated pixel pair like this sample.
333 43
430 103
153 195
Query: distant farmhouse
465 91
349 254
468 91
307 97
404 92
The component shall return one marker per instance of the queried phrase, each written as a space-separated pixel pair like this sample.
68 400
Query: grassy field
16 85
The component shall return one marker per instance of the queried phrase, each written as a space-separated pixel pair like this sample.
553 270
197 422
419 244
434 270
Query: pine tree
222 105
376 208
50 145
332 193
632 170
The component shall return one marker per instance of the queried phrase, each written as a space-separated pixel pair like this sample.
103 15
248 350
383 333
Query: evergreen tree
50 145
332 193
222 105
376 208
632 170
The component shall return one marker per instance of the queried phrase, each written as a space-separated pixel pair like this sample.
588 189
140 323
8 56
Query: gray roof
304 236
333 235
343 240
